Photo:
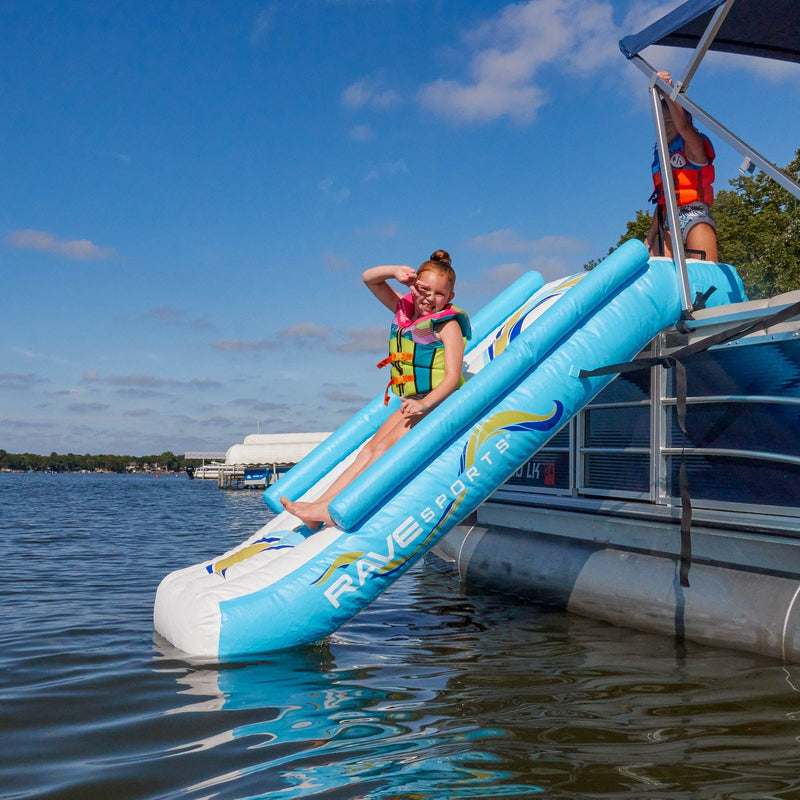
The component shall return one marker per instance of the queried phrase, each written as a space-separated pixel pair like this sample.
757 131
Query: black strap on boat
701 298
686 525
675 360
683 480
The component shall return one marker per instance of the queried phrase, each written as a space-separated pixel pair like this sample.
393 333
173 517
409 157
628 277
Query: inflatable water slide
286 586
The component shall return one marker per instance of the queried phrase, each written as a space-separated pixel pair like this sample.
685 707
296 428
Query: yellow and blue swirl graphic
224 564
514 324
342 562
507 422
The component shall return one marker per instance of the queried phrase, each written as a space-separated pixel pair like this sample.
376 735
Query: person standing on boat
692 161
427 340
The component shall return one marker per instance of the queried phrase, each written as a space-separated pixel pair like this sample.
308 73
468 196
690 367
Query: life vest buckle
393 357
395 381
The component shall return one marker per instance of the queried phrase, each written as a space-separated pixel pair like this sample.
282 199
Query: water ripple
426 694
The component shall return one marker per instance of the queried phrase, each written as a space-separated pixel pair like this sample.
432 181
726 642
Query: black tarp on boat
764 28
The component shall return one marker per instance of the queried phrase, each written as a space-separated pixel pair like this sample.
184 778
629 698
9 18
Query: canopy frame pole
702 48
671 203
728 136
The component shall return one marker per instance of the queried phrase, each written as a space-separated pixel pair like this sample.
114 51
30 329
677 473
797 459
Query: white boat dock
257 462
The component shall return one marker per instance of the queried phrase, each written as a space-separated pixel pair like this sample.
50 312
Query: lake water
429 693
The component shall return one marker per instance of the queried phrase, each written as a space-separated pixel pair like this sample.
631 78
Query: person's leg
702 236
666 241
392 429
315 513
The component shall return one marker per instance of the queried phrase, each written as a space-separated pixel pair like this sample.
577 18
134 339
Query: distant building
269 449
274 452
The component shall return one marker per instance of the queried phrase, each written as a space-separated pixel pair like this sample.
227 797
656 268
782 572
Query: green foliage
758 232
92 463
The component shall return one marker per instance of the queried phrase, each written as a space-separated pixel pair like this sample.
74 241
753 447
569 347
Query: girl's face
434 292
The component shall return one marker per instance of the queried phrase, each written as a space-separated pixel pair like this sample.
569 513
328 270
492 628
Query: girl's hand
412 408
406 275
419 289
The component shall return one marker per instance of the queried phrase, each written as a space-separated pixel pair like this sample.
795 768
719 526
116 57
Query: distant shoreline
7 471
162 463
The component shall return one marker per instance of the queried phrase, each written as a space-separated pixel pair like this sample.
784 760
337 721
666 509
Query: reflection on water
367 719
427 694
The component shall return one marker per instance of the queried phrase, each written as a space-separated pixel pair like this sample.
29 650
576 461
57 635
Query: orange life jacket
692 181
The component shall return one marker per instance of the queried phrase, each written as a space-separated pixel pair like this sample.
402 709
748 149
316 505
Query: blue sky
192 189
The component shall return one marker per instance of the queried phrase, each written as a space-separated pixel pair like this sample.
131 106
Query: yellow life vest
415 351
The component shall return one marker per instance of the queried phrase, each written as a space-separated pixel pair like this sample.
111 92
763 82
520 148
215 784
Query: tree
758 231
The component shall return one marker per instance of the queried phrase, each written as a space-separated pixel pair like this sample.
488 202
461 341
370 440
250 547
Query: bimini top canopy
765 28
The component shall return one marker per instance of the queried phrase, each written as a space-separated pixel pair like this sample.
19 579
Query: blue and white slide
285 586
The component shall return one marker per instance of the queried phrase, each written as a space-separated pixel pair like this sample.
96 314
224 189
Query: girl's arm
453 341
376 279
695 149
652 233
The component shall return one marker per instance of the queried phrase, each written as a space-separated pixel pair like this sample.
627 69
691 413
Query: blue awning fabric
764 28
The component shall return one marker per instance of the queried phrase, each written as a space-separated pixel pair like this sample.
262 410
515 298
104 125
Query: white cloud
362 133
644 13
368 92
386 170
334 263
138 412
508 240
766 68
32 354
366 340
153 382
19 382
505 274
552 256
498 277
482 101
262 24
338 396
299 335
77 249
169 315
239 346
553 267
381 230
509 50
88 408
305 330
24 352
502 241
329 189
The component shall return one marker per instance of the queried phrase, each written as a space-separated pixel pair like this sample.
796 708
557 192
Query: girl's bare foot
312 515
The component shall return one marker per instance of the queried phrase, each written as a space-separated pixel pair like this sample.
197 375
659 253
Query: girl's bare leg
703 237
315 513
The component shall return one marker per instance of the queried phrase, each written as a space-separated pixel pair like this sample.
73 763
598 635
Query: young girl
426 354
692 158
